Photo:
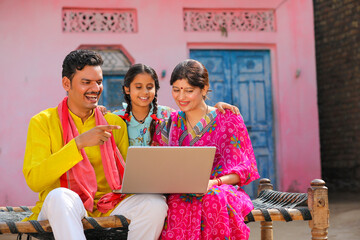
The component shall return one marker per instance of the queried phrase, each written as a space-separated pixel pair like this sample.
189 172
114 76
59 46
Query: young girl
220 212
142 112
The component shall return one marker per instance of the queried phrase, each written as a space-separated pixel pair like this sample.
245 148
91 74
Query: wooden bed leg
266 230
318 203
266 227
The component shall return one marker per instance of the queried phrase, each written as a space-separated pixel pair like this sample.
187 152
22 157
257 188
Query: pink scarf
81 178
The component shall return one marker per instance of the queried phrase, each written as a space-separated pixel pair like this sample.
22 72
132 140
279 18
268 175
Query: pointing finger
108 127
114 127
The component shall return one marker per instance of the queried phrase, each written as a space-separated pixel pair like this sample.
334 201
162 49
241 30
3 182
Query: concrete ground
344 222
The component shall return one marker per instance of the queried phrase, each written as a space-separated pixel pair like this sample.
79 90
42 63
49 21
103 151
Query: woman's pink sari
220 213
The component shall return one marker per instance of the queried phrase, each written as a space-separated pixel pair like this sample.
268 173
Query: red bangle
219 181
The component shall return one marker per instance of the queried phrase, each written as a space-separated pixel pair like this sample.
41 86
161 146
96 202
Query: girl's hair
193 71
134 70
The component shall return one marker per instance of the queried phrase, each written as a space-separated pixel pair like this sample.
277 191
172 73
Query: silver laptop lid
167 169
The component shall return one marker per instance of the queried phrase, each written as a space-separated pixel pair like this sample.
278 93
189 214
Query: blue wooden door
112 96
243 78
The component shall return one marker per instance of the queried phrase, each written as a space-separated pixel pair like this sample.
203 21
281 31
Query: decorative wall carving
244 20
99 20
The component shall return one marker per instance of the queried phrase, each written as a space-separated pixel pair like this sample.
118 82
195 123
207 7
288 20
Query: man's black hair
78 59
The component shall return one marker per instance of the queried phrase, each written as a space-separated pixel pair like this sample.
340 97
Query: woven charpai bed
269 206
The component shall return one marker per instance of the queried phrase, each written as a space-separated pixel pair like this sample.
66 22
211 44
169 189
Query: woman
220 212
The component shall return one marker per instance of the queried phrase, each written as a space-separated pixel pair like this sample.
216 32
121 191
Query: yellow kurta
47 159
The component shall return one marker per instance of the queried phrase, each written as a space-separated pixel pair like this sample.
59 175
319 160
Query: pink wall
33 47
298 127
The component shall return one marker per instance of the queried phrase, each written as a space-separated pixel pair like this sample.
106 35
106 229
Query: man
73 160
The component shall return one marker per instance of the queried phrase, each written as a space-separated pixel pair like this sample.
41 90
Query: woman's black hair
134 70
193 71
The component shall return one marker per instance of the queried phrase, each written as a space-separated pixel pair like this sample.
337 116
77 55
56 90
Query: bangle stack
219 181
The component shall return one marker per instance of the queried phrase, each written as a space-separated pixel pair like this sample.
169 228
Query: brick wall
337 33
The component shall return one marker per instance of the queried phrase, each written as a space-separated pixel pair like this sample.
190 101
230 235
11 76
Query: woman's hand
230 179
221 106
211 183
102 109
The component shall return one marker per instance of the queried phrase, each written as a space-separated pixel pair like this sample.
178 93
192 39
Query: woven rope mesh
275 199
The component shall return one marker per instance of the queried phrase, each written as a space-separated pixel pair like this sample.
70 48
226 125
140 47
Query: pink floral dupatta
81 178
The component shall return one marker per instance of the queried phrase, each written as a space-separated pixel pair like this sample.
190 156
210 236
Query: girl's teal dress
139 133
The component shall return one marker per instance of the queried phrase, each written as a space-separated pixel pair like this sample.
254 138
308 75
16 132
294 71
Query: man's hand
96 136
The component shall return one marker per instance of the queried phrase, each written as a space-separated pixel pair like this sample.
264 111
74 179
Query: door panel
219 67
259 100
243 98
112 96
246 83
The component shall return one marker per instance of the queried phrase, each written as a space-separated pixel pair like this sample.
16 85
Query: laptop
167 169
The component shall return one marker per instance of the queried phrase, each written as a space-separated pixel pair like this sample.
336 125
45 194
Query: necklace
192 128
142 120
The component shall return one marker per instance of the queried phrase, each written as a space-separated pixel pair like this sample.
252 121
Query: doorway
243 78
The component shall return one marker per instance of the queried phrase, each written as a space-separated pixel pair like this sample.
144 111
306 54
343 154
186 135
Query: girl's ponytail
128 107
153 123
